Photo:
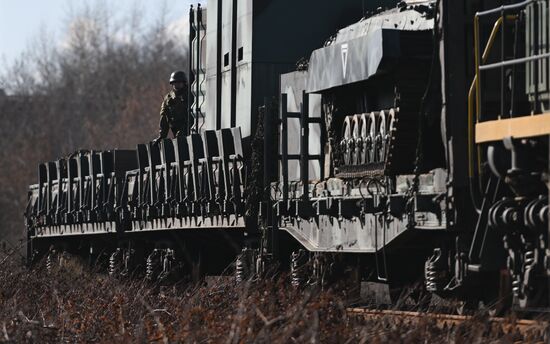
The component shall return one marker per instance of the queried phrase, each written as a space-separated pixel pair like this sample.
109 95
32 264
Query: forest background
98 87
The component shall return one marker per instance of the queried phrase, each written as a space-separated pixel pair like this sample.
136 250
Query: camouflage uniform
173 114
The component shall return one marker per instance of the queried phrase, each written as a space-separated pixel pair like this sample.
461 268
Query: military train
340 140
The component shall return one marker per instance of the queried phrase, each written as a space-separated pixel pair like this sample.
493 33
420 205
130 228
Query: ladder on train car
196 70
304 157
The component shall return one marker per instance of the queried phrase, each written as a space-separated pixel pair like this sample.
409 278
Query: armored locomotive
408 145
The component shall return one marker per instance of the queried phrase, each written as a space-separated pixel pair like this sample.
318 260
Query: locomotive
408 145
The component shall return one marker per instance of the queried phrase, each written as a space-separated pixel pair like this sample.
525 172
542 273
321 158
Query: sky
21 20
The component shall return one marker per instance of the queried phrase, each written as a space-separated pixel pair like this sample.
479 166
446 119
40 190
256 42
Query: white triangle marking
344 58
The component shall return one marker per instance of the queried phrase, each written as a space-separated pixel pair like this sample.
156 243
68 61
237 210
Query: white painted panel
244 96
244 30
210 105
211 41
227 10
226 100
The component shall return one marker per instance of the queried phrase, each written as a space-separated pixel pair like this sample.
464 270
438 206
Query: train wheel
536 297
499 302
466 307
410 295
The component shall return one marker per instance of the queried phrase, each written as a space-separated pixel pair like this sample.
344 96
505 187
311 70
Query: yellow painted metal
476 57
517 127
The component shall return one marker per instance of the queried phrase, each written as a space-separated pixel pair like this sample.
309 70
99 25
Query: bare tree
99 86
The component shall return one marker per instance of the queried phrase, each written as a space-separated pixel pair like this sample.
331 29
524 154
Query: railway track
441 320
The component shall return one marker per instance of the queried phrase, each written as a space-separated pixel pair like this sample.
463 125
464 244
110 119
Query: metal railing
508 13
475 86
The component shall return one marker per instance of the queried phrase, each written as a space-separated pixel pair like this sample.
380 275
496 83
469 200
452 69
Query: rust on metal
507 325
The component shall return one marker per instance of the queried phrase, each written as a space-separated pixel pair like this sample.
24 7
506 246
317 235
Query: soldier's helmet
178 76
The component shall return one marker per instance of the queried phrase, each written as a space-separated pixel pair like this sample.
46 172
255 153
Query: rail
442 320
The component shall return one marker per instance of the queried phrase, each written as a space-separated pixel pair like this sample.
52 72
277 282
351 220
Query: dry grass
72 305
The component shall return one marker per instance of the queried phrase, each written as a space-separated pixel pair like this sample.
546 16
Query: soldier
173 111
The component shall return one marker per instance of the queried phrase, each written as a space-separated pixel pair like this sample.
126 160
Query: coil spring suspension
114 262
50 261
520 275
152 265
245 265
241 269
516 285
435 272
529 259
529 265
298 268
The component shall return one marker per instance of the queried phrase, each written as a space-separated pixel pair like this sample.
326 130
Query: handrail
475 82
514 61
502 8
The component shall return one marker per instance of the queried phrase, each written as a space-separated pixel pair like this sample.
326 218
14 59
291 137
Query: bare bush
70 304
